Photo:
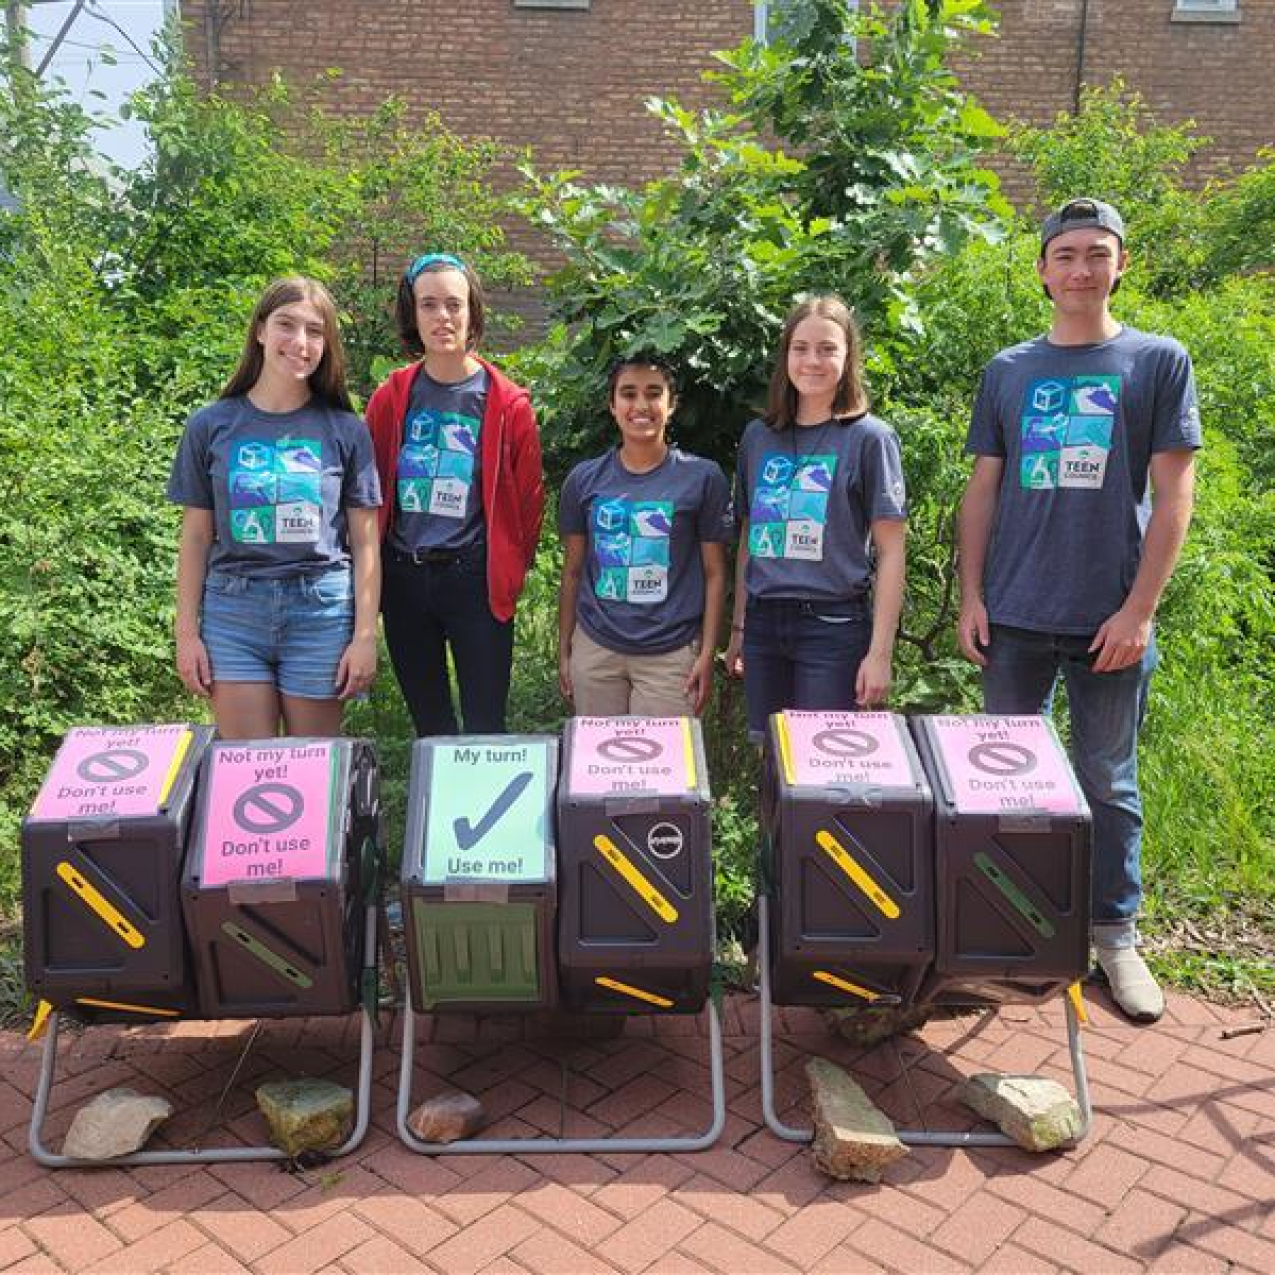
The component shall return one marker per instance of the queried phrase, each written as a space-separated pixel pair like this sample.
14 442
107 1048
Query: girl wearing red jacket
458 455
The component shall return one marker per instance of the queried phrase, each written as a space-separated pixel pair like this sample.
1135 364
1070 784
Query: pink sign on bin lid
112 772
822 749
268 812
617 755
1003 765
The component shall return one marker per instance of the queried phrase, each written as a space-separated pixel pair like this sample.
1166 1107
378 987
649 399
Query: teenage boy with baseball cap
1065 549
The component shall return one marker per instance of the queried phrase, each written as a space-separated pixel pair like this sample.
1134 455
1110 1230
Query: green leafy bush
822 173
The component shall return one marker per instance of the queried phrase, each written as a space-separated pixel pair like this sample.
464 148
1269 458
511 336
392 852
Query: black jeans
800 654
435 605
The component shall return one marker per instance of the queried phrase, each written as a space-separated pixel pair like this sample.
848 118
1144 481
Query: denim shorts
291 632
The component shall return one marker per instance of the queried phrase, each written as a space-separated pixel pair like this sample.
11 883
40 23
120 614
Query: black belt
829 606
431 557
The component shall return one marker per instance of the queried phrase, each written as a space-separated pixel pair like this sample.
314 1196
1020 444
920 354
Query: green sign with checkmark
489 810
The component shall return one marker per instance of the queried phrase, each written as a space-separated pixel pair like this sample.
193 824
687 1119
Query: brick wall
570 83
1219 74
567 82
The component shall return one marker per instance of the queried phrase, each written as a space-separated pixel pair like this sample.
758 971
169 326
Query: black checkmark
469 835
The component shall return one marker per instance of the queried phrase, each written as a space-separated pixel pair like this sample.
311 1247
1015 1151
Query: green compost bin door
476 952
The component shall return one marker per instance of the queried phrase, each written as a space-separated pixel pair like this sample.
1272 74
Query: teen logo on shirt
1066 429
436 463
789 509
276 491
631 542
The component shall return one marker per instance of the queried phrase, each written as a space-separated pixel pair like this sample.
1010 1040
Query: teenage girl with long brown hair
278 570
822 515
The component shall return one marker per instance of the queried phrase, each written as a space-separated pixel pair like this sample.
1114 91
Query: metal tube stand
587 1146
216 1155
909 1137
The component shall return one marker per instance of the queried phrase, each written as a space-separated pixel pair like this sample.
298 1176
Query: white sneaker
1133 986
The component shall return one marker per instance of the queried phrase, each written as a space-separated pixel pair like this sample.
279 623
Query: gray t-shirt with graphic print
1077 427
811 494
438 503
278 484
643 586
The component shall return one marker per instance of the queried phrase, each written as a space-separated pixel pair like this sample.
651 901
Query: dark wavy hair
327 381
851 398
642 358
405 309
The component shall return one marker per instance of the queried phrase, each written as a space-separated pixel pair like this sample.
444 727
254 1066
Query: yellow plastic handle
93 1002
627 989
785 749
1077 997
856 872
41 1023
845 985
98 903
179 756
637 882
688 742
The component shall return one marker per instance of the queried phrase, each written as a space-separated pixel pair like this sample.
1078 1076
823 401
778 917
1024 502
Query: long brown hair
851 398
327 381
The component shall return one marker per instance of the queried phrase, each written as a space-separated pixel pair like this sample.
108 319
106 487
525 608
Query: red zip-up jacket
512 474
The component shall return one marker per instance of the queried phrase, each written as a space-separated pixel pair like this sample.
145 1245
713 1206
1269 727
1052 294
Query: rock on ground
854 1139
307 1115
447 1117
869 1026
115 1123
1039 1114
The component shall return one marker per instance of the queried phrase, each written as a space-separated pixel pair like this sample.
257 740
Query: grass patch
1209 851
1218 976
1208 762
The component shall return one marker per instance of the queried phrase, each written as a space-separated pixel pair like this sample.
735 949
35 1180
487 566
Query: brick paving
1178 1173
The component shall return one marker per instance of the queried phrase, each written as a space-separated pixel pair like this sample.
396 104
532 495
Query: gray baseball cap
1081 214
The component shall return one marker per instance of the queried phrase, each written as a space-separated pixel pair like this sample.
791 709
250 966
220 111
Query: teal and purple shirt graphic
1066 426
1077 427
277 484
811 494
276 491
438 487
436 464
788 511
643 581
631 547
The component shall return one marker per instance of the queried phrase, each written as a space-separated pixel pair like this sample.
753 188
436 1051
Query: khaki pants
611 684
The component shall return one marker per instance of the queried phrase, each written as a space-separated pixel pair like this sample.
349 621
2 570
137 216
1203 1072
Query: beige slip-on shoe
1133 986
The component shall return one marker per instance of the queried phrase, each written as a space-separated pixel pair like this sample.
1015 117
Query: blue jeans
1106 711
436 605
800 654
290 632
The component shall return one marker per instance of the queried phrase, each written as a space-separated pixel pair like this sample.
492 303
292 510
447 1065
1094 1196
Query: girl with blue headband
458 455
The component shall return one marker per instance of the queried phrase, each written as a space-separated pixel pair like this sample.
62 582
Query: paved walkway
1178 1174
